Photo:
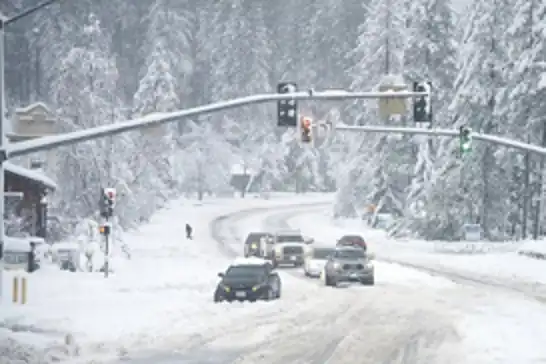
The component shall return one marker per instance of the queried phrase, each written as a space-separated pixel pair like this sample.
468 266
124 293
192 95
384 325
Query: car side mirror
221 275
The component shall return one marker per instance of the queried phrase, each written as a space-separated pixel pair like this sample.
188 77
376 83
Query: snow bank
167 285
497 260
533 249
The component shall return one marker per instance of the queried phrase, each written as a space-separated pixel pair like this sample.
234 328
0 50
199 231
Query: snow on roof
17 244
31 107
288 232
249 261
30 174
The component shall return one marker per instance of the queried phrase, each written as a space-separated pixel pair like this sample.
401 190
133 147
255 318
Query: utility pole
2 157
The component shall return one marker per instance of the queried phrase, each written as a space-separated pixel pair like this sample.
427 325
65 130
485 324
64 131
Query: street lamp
4 21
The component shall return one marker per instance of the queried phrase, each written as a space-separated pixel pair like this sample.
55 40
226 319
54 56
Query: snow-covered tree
84 93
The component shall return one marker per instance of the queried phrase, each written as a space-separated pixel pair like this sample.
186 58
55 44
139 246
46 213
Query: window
255 238
289 238
246 271
350 253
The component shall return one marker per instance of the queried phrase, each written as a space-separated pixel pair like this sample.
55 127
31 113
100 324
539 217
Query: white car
315 260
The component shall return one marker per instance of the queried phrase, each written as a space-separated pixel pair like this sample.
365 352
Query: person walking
189 231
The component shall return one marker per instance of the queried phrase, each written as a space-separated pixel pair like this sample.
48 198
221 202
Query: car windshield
241 271
352 238
254 238
322 253
352 253
289 238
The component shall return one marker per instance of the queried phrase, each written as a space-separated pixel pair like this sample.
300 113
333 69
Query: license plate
293 258
353 275
240 294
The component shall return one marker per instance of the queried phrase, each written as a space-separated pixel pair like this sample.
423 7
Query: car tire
278 294
270 294
369 282
327 280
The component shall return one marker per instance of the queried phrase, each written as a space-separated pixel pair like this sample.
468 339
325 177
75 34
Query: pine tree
85 94
483 55
430 55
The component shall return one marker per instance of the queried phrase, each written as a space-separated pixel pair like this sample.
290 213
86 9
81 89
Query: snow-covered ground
157 308
498 324
167 283
496 260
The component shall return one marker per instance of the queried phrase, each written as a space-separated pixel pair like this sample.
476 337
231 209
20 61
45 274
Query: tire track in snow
532 290
329 333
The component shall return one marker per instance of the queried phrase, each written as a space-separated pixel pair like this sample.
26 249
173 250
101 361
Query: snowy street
502 318
500 266
157 308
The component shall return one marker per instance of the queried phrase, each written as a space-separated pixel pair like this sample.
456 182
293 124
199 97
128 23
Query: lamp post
4 21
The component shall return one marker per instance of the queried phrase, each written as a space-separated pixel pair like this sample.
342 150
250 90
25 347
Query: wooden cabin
30 200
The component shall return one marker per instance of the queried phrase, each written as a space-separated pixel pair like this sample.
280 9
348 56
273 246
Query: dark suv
352 240
249 280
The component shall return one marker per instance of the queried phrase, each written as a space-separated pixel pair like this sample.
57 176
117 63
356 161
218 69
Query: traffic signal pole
24 148
493 139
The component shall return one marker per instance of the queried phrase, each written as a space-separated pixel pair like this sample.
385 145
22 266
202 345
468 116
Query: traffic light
422 106
105 229
287 110
108 202
305 130
465 139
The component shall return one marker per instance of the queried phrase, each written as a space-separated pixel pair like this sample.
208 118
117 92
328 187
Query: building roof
31 107
31 175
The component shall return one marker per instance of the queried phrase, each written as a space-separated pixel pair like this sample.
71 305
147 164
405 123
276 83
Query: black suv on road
250 280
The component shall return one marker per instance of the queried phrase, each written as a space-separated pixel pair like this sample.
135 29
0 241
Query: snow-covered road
502 315
388 323
158 307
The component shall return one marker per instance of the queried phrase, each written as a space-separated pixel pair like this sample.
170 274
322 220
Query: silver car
349 264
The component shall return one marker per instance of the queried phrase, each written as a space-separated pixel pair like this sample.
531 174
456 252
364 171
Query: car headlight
257 287
337 265
226 288
369 266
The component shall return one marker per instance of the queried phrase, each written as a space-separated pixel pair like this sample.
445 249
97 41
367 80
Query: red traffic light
306 123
